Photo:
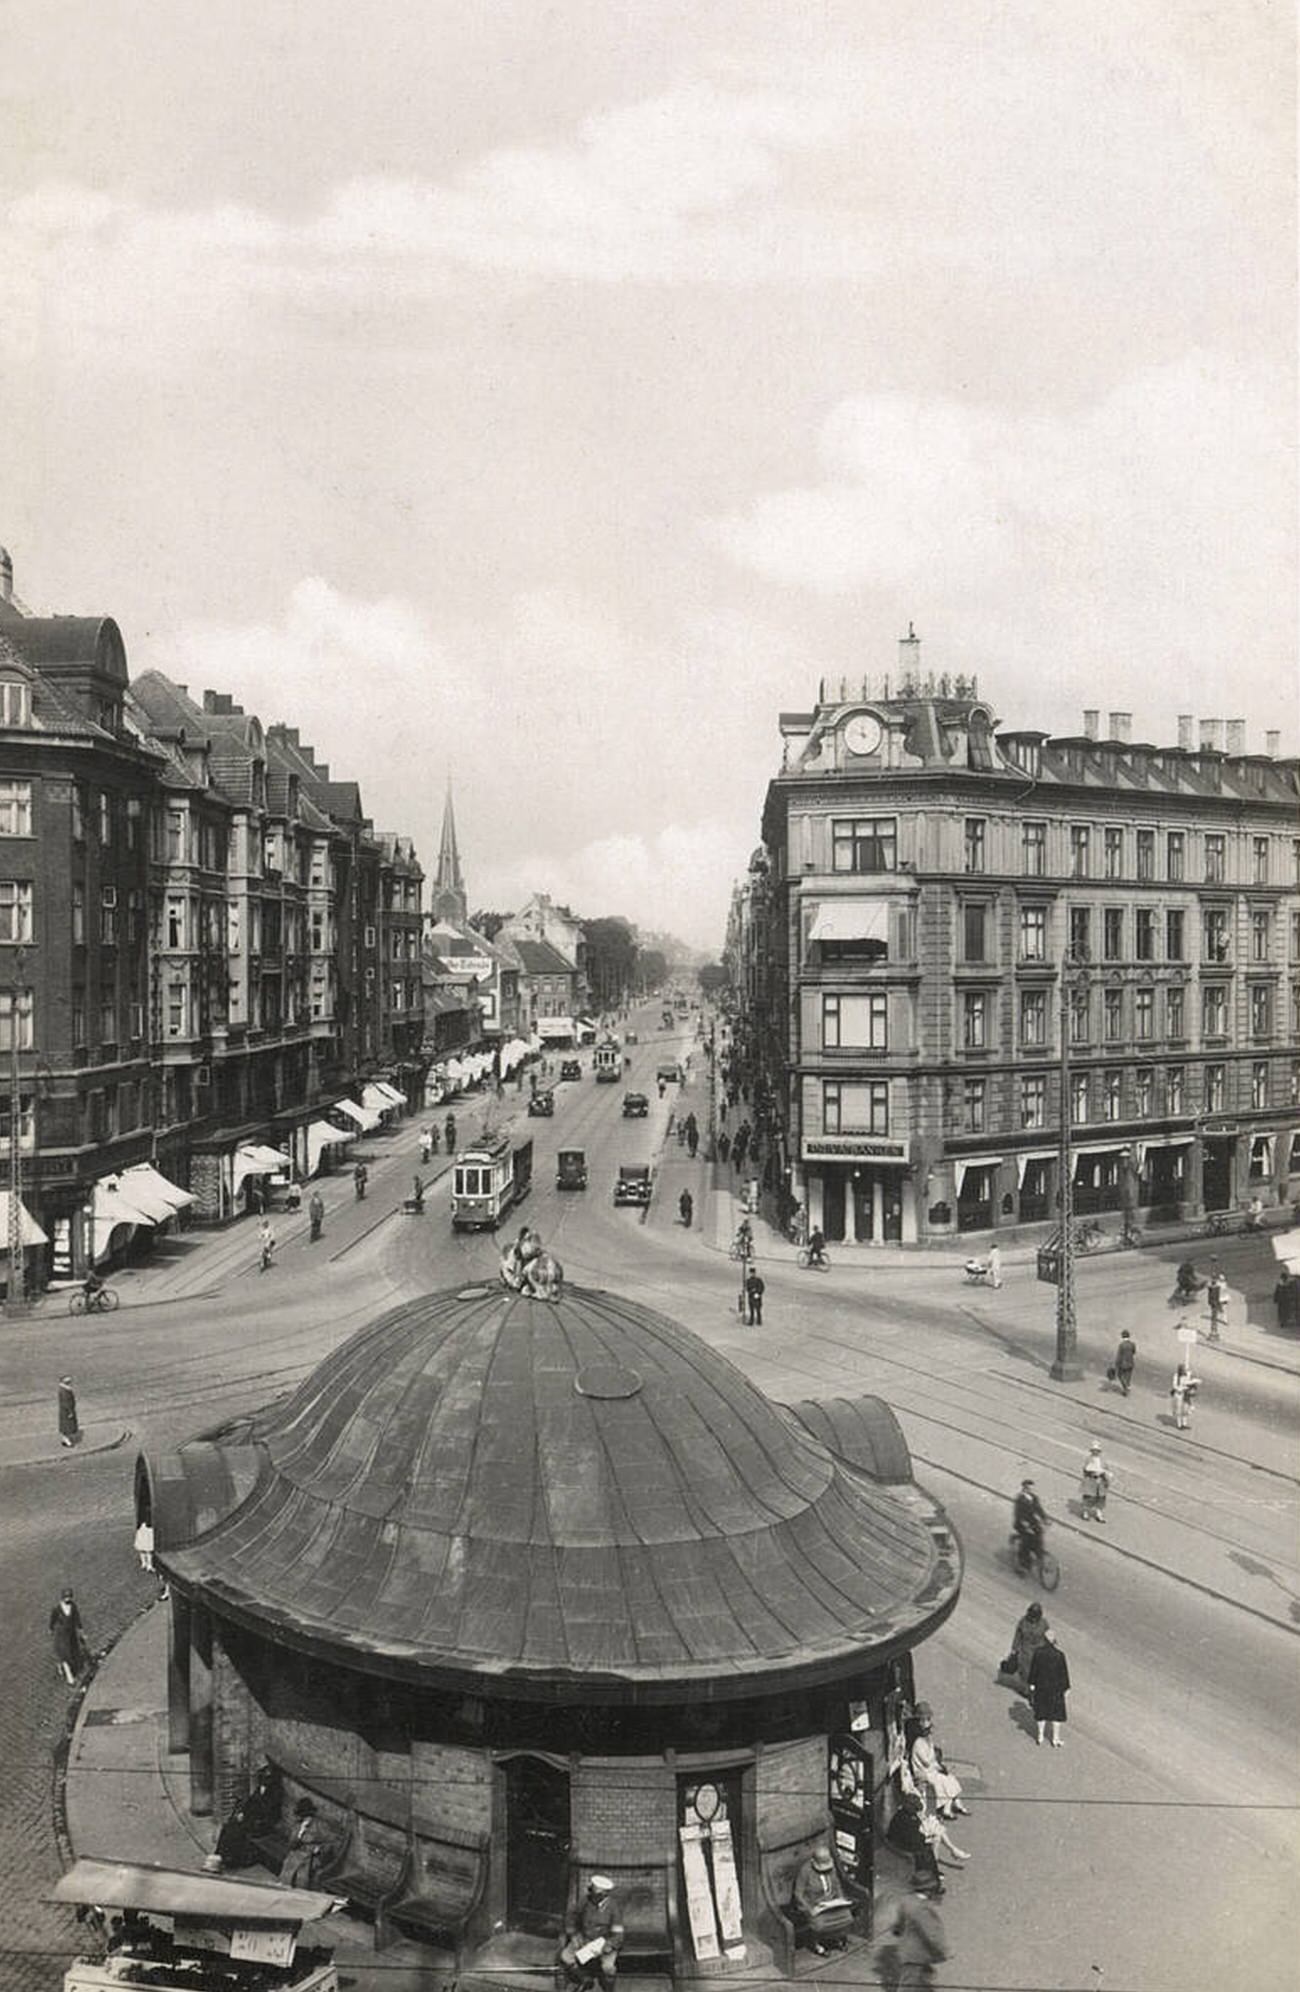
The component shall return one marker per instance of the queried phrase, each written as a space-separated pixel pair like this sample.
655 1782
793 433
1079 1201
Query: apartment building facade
201 946
937 901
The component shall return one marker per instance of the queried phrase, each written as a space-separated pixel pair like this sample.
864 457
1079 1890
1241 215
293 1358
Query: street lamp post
1066 1367
16 1287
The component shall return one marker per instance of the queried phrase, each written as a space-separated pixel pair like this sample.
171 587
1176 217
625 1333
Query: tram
488 1181
607 1062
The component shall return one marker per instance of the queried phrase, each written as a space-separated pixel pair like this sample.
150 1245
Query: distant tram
607 1061
488 1181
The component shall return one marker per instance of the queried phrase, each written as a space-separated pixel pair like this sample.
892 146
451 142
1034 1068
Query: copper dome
565 1497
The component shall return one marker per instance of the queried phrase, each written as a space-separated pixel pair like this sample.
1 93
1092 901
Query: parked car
542 1103
571 1068
634 1183
571 1169
635 1106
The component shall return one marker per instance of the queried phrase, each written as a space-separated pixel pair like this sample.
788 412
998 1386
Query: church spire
449 901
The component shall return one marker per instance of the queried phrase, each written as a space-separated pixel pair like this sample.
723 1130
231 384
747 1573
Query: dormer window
15 702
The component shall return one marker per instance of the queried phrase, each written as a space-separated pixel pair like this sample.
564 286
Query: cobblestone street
66 1523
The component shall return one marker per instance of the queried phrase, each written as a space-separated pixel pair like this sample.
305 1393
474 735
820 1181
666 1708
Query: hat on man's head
65 1379
601 1883
924 1712
822 1859
66 1592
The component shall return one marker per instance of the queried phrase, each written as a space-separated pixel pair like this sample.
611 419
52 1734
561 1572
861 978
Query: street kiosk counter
181 1932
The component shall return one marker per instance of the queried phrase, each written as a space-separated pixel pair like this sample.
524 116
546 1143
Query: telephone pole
16 1287
1066 1367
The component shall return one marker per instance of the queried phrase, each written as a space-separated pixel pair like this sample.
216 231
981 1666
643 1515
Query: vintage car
571 1068
542 1103
635 1106
630 1037
670 1072
634 1183
571 1169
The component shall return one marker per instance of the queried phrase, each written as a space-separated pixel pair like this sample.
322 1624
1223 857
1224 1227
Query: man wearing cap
820 1904
69 1428
598 1918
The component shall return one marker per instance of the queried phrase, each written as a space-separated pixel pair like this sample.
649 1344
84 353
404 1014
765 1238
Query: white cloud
676 881
570 742
1151 525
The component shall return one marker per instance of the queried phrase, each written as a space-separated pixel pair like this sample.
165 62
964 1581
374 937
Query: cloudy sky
548 394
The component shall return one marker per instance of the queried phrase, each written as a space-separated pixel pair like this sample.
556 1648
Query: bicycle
741 1248
103 1301
1088 1235
1217 1225
1130 1237
1037 1557
807 1258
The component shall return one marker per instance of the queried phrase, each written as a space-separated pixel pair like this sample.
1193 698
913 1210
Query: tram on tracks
488 1181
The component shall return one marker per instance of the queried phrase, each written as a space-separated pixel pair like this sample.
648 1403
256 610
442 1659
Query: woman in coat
1049 1681
70 1649
1028 1636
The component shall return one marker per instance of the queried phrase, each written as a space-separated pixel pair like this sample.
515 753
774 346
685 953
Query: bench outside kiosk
172 1930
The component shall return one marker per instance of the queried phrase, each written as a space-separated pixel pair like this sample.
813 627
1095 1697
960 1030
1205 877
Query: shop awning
320 1136
1261 1149
364 1120
146 1173
111 1211
851 920
975 1162
377 1102
386 1086
554 1027
29 1230
1033 1155
146 1199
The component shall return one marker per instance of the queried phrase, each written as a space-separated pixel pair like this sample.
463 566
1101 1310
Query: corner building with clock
925 885
516 1591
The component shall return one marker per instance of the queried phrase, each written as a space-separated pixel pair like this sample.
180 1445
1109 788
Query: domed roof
487 1485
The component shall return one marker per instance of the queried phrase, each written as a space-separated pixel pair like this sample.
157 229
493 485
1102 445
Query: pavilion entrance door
537 1845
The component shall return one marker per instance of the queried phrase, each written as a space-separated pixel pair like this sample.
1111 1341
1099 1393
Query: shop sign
1216 1128
849 1797
852 1148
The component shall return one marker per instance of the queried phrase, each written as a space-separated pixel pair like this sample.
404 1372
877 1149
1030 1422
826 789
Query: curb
69 1452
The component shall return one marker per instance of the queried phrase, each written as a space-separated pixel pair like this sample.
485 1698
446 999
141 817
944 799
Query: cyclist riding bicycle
744 1241
816 1247
1028 1520
91 1287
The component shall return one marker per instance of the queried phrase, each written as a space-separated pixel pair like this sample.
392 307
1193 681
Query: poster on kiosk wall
849 1799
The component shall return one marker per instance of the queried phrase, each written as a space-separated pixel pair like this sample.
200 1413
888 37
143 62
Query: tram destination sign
853 1148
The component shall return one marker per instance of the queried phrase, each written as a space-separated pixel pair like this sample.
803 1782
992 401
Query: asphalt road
1160 1846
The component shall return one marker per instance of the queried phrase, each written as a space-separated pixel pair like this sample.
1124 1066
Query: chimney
1236 736
1091 722
1210 735
1273 742
909 655
1121 726
1186 732
6 576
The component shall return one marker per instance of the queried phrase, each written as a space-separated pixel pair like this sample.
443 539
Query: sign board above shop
853 1148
